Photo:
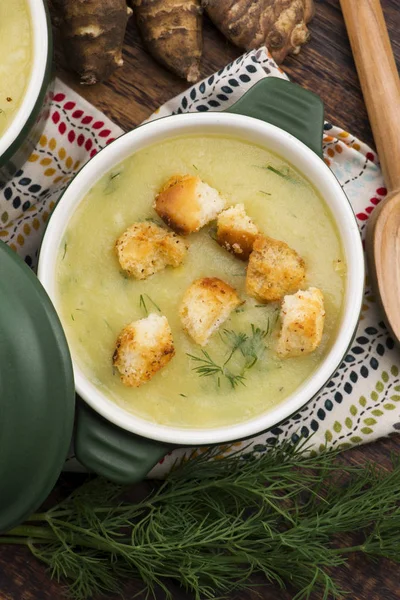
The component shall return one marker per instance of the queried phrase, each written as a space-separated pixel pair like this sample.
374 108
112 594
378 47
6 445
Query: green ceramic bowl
285 119
19 139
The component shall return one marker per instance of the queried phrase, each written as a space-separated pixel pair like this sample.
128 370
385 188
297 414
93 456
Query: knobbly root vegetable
172 33
281 25
92 32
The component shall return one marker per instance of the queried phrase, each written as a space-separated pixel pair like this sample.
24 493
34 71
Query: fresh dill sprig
207 367
254 347
143 305
213 524
251 347
233 339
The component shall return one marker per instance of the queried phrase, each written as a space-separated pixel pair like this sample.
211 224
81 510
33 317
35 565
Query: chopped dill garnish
195 167
285 175
72 317
183 395
266 193
153 303
276 171
143 305
111 186
153 220
212 232
108 324
65 250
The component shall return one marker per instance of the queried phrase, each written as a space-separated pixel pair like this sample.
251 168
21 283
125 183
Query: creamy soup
15 58
96 299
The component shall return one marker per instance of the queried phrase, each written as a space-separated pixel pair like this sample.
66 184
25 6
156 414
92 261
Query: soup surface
15 58
96 300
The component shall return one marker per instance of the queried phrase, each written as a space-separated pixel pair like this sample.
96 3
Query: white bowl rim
39 28
172 127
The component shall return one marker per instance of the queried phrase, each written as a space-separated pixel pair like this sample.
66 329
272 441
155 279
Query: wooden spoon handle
379 79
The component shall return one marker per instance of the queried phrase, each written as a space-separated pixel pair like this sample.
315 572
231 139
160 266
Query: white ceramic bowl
37 85
306 161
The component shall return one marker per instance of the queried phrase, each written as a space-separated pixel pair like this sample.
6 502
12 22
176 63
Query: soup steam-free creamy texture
96 299
15 58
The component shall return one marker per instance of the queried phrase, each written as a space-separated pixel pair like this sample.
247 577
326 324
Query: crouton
143 348
236 231
186 203
145 248
207 303
303 318
274 270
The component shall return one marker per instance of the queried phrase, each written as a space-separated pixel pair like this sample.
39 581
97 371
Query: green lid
37 393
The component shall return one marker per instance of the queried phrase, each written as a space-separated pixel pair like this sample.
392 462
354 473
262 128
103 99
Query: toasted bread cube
274 270
186 203
143 348
207 303
236 231
303 318
145 248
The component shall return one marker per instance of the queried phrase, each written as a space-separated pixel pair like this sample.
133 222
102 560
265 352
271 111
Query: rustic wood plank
325 66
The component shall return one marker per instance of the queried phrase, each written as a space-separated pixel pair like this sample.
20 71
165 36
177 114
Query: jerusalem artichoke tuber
93 33
172 32
281 25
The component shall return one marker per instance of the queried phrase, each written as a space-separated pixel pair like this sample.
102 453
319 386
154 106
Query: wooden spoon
380 84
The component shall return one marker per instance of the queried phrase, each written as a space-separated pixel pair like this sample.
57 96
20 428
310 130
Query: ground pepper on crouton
186 203
236 232
145 248
274 270
303 317
143 348
206 304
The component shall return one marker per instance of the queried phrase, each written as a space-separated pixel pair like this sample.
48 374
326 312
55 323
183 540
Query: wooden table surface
324 66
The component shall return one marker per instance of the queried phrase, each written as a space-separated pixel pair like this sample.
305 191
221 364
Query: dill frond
213 524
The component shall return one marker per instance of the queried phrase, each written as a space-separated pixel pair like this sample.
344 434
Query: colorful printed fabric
362 401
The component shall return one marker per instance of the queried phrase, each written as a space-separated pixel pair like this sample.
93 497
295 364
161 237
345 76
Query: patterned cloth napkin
362 401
